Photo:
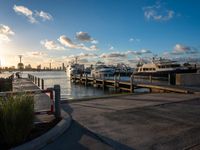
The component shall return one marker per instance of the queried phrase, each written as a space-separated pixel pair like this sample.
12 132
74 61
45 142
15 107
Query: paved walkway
149 121
78 138
41 101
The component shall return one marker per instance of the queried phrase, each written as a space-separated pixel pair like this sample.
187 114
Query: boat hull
165 73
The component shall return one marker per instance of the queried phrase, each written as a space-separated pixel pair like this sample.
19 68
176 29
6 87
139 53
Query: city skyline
110 31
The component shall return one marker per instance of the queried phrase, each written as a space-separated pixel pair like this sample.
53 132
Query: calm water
68 90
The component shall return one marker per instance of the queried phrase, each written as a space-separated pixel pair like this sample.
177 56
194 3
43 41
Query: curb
47 137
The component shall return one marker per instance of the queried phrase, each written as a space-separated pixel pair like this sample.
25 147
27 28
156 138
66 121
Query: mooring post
169 79
81 78
103 82
115 82
57 101
42 84
35 80
86 79
38 82
131 84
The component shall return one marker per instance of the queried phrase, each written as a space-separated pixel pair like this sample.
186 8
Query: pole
57 101
131 84
38 82
42 84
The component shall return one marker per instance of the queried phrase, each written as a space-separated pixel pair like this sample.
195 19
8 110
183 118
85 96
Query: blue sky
113 31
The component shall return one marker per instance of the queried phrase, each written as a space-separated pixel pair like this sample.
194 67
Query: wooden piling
38 82
35 80
169 79
115 82
86 79
131 84
42 84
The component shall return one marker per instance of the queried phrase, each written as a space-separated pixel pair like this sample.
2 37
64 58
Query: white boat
100 70
162 67
73 69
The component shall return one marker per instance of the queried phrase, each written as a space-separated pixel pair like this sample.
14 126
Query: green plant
16 118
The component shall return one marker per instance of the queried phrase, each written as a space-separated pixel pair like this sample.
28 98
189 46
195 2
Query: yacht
123 70
162 67
101 70
74 68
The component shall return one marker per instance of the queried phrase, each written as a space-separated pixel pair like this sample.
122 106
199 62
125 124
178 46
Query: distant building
39 67
28 67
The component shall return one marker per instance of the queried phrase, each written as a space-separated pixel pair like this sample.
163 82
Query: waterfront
68 90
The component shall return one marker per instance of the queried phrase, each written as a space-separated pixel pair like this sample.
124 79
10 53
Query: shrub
16 118
5 85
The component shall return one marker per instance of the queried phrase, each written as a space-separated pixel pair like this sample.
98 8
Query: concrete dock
41 100
164 121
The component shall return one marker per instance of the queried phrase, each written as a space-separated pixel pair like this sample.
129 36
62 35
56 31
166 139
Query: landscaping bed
38 130
17 119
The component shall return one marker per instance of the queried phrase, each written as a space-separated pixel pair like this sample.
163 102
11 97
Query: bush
5 85
16 118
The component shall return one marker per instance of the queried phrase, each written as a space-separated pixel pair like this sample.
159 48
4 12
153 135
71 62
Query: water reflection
69 90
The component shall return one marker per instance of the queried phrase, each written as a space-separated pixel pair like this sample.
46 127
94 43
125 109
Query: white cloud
182 49
22 10
94 42
44 15
111 48
36 54
112 55
5 32
134 40
51 45
68 43
158 12
140 52
86 55
26 12
83 36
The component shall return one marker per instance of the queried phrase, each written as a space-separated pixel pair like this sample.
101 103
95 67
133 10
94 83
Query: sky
112 31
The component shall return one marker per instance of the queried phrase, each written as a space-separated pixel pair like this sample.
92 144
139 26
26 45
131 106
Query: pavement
78 138
164 121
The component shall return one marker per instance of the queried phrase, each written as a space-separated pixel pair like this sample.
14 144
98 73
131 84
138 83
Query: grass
16 118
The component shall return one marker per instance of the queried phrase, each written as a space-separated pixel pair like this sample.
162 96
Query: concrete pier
41 100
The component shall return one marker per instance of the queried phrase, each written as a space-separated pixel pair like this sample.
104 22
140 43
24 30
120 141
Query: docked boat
162 68
123 70
74 68
101 70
